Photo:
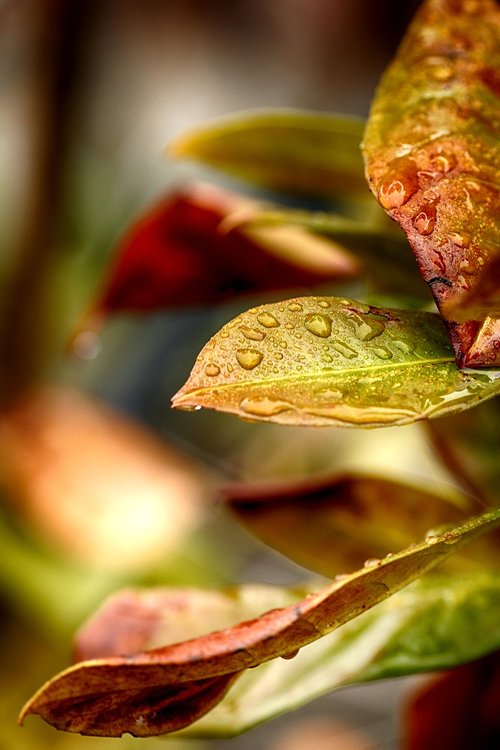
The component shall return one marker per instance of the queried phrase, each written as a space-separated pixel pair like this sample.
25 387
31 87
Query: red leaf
458 711
177 254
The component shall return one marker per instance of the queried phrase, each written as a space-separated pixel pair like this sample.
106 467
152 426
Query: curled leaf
290 151
432 161
330 361
164 689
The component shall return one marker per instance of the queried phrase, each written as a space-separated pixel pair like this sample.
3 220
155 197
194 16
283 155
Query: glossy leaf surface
432 159
334 524
329 361
290 151
161 690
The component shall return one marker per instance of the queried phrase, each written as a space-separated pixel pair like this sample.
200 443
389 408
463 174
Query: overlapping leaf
176 254
328 361
474 692
290 151
432 160
161 690
468 445
335 523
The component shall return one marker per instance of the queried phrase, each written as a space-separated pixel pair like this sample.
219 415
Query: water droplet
381 352
459 238
432 536
442 73
330 394
267 320
442 161
406 347
264 406
87 345
212 370
278 355
252 333
373 562
393 193
249 358
291 654
425 221
188 407
318 324
323 303
367 326
344 349
295 307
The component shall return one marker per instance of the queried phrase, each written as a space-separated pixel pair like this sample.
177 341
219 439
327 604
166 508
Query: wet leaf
329 361
432 160
334 524
473 690
164 689
289 151
433 624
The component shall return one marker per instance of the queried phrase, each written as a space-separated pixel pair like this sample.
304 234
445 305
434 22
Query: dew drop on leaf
295 307
212 370
318 324
253 334
344 349
381 352
394 193
323 303
373 562
425 221
249 358
268 320
366 326
264 407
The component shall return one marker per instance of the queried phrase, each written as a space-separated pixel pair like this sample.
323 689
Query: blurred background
91 93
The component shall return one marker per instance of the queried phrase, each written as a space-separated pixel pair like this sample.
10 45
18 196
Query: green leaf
334 524
436 623
165 689
329 361
432 158
290 151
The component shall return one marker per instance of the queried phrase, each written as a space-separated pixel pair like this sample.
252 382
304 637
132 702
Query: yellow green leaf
331 361
291 151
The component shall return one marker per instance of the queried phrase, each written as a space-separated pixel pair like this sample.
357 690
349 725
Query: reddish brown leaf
94 485
334 524
164 689
459 710
432 161
178 253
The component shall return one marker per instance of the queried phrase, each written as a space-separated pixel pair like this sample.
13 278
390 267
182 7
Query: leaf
432 161
473 690
95 486
434 624
375 242
334 524
289 151
161 690
328 361
179 254
468 445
